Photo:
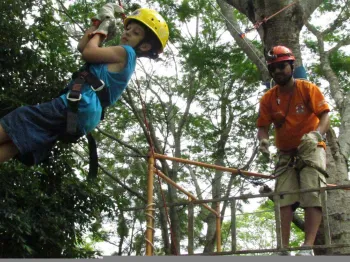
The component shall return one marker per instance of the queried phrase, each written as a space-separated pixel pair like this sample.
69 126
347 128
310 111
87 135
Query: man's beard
281 81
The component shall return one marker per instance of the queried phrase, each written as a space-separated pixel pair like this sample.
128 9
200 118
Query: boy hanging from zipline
29 132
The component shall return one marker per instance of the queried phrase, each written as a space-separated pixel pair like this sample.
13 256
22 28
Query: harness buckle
72 97
98 88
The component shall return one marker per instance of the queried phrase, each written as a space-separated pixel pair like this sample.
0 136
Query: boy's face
132 34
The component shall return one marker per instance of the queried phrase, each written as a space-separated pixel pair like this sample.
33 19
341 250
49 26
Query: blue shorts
35 129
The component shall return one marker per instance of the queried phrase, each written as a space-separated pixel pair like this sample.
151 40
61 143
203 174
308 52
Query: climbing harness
298 163
73 95
307 163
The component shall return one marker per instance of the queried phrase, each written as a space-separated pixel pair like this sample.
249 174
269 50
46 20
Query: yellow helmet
154 21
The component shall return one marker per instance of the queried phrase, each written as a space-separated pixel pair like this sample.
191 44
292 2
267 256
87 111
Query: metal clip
73 99
99 88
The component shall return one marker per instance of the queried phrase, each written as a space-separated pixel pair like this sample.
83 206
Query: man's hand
106 12
312 138
309 143
264 146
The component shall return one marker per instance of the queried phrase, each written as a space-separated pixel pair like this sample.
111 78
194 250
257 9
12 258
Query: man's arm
263 133
263 136
324 123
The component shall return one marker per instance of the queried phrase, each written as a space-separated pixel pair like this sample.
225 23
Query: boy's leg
3 136
7 151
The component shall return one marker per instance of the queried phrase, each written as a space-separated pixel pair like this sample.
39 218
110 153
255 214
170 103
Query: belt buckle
72 99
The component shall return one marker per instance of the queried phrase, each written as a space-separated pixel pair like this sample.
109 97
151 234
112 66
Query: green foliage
335 120
49 210
257 230
36 60
331 5
340 63
45 210
185 10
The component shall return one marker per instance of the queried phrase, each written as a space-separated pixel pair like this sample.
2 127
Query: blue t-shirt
90 109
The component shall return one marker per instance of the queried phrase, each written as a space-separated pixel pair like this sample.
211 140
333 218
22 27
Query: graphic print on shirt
300 109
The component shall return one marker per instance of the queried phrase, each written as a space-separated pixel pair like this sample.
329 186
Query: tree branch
137 151
232 25
328 72
138 195
337 22
341 43
65 11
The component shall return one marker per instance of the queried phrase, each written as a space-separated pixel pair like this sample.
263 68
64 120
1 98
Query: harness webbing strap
93 157
310 164
305 163
73 97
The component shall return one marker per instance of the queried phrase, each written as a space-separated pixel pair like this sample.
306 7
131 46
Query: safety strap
292 163
313 165
93 157
73 97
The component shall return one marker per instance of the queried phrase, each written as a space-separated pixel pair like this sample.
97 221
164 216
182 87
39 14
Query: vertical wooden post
150 207
233 226
278 221
190 226
218 227
327 233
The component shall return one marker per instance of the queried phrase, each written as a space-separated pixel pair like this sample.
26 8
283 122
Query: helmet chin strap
150 53
138 46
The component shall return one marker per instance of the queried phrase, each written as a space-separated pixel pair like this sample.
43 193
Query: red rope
122 15
150 141
259 23
172 234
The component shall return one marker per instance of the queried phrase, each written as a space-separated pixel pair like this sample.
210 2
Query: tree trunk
337 200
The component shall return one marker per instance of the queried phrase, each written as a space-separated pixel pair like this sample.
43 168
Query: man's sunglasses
280 66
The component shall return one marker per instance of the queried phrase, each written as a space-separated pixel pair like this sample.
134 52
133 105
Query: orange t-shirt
305 104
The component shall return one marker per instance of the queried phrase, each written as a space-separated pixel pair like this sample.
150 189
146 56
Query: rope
259 23
256 181
248 44
149 208
123 14
256 25
150 141
172 236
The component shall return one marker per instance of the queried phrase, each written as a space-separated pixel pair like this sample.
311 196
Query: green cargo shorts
288 179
